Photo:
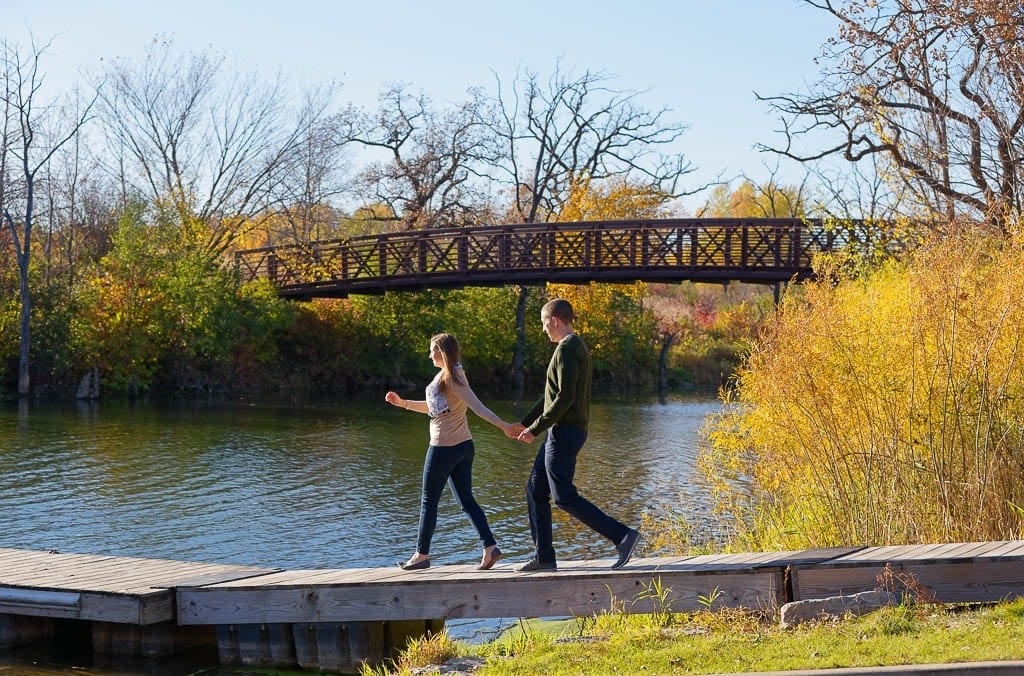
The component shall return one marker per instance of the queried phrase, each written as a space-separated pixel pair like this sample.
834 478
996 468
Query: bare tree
313 177
934 86
31 132
81 212
211 143
433 159
79 206
573 128
553 135
864 190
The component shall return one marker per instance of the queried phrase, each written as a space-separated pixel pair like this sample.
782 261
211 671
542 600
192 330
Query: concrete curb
1001 668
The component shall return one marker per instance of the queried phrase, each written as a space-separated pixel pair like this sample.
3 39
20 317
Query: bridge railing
758 250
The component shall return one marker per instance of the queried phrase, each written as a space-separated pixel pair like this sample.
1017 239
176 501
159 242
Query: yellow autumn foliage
611 200
748 200
885 409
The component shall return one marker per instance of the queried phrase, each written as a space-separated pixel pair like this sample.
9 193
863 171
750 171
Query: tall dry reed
883 409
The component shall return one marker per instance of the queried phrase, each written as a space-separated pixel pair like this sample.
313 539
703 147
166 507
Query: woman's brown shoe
490 559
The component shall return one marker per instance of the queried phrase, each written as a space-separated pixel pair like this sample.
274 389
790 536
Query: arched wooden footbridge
765 251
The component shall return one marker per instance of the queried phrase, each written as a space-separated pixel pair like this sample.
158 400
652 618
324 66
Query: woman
450 452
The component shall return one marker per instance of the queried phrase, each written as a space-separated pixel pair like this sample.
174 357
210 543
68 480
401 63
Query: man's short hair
559 308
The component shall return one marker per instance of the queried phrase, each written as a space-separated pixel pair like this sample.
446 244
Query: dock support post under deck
18 630
325 646
148 640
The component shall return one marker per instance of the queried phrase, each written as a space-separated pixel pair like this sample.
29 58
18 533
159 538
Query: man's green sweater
566 399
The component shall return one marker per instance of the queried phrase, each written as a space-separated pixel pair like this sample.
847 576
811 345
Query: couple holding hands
561 415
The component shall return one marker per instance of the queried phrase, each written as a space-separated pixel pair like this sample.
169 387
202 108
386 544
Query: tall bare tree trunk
28 137
666 344
519 357
25 297
26 338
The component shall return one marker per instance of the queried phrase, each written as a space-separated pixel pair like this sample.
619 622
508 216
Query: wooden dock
335 619
129 602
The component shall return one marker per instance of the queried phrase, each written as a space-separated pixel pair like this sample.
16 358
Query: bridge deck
757 250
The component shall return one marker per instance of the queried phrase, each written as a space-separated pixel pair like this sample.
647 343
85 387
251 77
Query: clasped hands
518 431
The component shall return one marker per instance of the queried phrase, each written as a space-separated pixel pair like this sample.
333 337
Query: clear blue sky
703 59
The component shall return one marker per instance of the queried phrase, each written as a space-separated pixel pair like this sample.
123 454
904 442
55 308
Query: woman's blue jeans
453 465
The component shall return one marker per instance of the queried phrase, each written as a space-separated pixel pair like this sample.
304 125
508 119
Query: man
563 413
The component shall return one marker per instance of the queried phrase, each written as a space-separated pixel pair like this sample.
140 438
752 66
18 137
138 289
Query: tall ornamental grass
883 409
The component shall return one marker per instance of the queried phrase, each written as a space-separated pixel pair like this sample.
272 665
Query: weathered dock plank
313 596
948 572
101 588
1010 549
17 564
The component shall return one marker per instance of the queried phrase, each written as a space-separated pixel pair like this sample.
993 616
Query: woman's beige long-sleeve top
447 411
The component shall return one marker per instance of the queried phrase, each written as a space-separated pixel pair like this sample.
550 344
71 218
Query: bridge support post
777 289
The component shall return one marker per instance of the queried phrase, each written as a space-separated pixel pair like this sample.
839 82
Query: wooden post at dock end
325 646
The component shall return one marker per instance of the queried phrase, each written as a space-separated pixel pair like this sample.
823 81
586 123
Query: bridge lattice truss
762 251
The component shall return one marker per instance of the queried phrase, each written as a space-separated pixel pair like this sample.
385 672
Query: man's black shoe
533 566
626 548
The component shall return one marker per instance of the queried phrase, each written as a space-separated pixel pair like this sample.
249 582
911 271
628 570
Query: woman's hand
393 399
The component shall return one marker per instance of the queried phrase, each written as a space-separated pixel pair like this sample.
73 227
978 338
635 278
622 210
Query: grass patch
717 641
420 652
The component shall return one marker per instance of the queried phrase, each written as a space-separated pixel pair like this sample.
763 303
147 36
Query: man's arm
534 412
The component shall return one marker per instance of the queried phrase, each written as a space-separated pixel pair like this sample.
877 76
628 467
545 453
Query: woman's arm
408 404
466 394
